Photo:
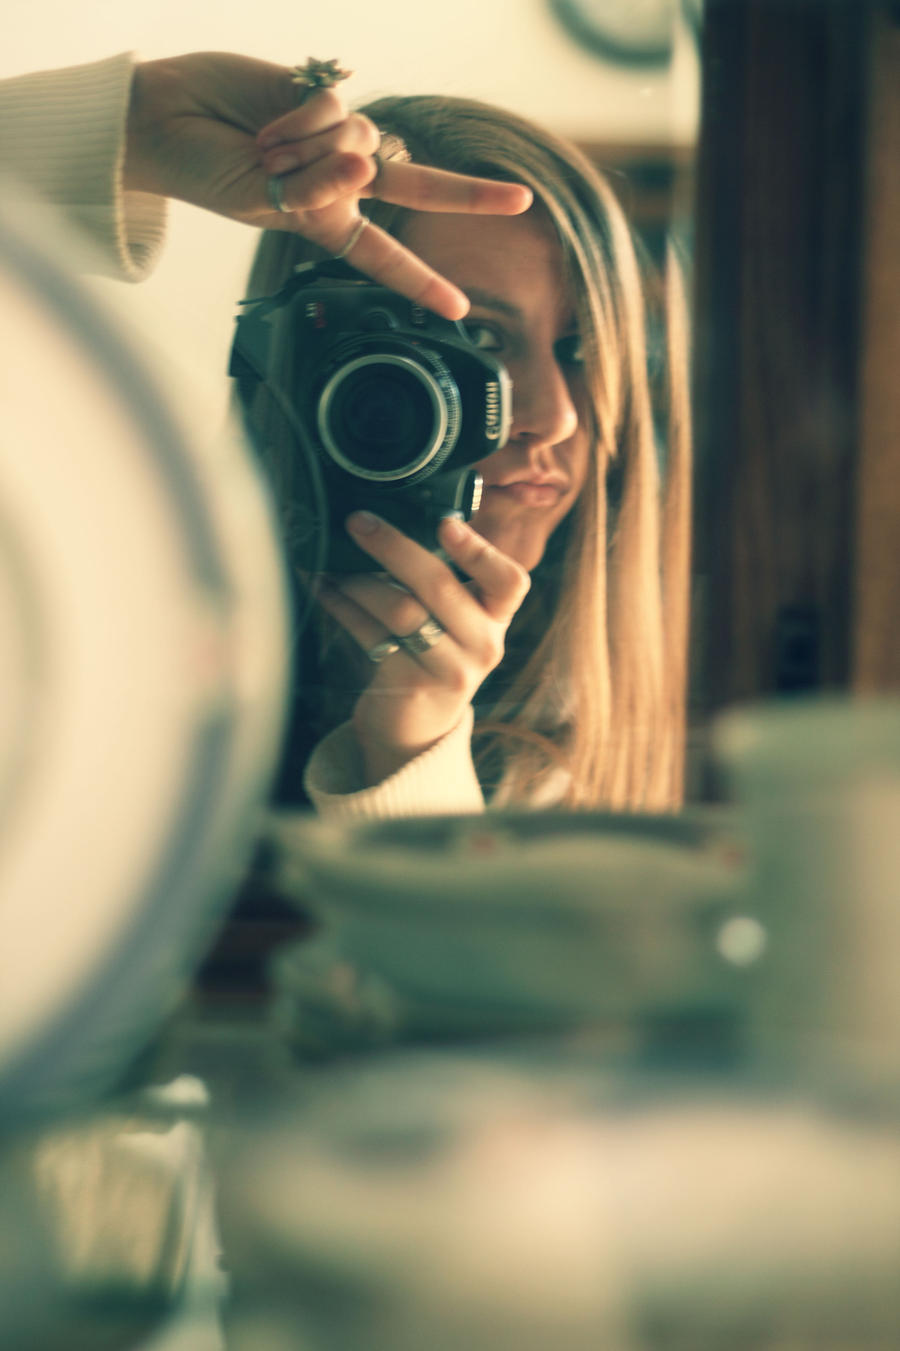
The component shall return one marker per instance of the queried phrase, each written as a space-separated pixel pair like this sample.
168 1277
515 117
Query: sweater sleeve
62 132
440 780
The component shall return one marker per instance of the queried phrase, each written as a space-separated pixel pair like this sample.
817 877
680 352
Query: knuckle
446 591
316 197
367 132
491 650
406 615
350 167
426 194
457 680
311 190
393 260
478 547
521 582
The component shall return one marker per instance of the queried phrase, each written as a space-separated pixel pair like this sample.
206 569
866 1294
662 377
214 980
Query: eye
485 337
570 350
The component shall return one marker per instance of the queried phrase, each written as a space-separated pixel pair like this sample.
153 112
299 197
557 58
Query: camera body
393 402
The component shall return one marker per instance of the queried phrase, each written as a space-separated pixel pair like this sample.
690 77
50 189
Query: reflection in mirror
585 313
603 107
610 1039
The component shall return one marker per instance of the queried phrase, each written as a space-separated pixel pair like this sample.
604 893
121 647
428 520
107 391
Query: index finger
426 189
384 259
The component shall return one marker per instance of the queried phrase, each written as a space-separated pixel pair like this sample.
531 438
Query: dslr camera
391 402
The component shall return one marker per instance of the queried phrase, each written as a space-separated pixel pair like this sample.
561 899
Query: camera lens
383 417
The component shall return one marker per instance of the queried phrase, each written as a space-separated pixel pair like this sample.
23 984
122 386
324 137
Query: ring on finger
275 194
386 648
315 75
425 637
390 148
353 237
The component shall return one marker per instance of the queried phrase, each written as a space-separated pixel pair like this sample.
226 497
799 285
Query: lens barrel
385 417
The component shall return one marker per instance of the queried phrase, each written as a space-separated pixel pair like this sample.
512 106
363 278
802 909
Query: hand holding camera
421 693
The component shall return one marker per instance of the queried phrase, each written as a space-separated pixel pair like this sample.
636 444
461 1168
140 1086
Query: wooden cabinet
797 362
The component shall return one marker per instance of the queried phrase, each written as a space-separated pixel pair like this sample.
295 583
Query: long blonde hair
602 694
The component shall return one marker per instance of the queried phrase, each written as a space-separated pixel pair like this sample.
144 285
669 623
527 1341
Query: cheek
581 446
575 455
492 468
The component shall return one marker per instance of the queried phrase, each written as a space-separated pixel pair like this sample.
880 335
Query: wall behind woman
510 52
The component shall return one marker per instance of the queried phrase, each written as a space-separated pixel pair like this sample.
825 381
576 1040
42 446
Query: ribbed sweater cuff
440 780
63 133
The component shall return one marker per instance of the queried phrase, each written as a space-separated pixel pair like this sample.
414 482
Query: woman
586 707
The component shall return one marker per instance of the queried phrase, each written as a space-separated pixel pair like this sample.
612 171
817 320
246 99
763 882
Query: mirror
634 115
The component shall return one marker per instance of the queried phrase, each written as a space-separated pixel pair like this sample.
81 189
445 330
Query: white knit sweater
63 133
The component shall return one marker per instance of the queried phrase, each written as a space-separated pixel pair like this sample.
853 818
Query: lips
543 492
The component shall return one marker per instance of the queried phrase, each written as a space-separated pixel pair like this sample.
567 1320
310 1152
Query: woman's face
523 311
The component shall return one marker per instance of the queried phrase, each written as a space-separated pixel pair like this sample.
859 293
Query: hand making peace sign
214 129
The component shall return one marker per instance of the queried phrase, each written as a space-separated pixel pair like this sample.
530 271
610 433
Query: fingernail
363 523
453 529
282 164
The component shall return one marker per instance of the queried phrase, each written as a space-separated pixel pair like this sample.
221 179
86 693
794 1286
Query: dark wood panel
876 618
780 171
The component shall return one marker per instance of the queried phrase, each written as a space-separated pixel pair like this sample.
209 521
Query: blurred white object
143 641
513 921
518 1204
819 783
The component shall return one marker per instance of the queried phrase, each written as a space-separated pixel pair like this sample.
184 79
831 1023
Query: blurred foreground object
142 626
522 1203
819 782
765 936
571 1191
107 1231
515 923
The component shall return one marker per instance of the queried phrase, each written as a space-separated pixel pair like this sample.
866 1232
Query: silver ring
275 194
390 149
386 648
353 237
425 636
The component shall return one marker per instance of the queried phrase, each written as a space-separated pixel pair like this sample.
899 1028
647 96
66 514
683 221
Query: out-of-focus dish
521 920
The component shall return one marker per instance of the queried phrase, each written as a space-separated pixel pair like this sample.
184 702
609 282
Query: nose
543 409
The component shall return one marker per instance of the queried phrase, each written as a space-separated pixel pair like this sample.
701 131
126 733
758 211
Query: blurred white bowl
525 919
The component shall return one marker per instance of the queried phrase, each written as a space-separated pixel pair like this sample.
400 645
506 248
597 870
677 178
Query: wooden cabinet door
797 357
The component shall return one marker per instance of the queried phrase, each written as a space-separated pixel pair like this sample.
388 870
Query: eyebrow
488 301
